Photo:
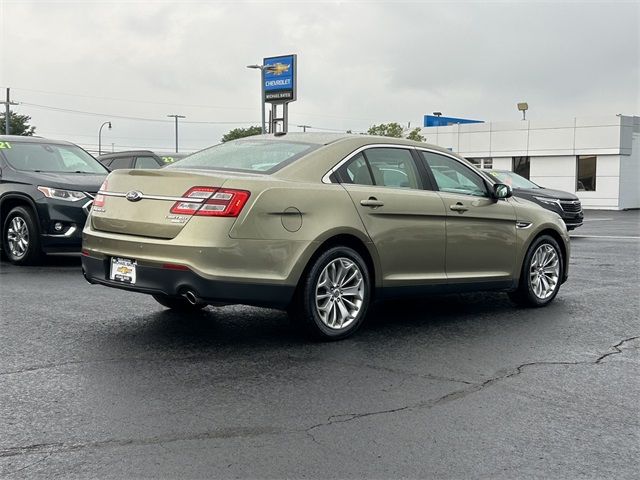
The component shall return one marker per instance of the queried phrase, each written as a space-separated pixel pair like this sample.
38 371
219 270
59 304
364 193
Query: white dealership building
598 159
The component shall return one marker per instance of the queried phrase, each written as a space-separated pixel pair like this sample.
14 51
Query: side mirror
500 190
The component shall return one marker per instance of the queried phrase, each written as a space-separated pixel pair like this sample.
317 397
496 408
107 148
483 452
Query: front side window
521 166
511 179
246 155
586 173
454 177
50 157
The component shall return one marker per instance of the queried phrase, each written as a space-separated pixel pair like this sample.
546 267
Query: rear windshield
49 157
246 155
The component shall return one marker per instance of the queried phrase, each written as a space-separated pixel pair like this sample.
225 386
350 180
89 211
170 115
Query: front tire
333 297
21 238
541 273
178 304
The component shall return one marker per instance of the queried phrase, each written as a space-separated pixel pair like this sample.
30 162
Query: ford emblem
133 196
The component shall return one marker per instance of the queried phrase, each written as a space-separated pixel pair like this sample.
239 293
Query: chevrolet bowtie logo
278 68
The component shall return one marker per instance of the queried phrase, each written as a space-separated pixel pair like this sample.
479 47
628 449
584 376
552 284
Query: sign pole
285 117
262 97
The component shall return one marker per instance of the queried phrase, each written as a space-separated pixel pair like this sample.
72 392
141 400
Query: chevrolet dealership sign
279 77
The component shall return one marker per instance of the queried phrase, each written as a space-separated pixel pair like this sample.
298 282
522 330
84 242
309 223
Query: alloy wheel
544 271
18 237
339 293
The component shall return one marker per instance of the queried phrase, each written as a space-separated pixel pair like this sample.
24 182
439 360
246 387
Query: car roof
32 139
351 138
126 153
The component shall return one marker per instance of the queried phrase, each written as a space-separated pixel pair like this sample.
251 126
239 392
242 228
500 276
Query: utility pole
7 104
176 117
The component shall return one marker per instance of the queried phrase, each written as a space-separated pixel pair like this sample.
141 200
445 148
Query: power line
125 117
219 107
128 100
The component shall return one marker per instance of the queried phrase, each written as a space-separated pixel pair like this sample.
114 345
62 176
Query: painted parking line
614 237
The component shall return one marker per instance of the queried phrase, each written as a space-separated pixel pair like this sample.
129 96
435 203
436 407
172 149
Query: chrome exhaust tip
191 297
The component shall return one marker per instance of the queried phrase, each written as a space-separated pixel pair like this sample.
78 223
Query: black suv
565 204
138 159
46 191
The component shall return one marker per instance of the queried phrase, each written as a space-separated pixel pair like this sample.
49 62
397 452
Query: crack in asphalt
428 376
463 392
617 347
49 449
58 447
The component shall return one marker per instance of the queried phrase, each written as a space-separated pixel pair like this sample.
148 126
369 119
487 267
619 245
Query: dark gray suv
139 159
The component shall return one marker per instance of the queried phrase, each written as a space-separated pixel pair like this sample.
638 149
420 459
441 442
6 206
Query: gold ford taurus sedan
319 225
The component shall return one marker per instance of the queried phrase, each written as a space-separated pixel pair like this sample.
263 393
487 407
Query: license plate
123 270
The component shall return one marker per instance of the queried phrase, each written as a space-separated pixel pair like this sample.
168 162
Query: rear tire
178 303
541 274
21 237
332 299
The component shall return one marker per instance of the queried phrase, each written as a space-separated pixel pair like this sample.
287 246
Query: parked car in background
319 225
46 191
565 204
139 159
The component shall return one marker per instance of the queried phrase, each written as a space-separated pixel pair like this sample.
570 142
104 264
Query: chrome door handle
458 207
372 202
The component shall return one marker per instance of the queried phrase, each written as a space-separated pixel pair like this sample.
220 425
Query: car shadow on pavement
57 260
251 328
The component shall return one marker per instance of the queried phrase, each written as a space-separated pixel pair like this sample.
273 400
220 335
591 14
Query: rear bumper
159 280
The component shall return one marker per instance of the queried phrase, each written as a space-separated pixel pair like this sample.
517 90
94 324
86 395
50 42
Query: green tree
415 135
395 130
241 133
18 124
392 129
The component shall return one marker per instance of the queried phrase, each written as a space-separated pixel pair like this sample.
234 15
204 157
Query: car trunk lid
140 202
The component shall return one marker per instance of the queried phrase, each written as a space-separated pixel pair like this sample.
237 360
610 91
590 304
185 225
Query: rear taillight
219 202
99 200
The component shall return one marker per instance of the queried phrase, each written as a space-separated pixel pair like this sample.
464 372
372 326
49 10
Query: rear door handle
458 207
372 202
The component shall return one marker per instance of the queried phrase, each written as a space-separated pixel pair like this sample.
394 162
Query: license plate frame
123 270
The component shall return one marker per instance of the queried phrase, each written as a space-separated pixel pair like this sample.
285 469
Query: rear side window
146 162
121 162
357 171
385 167
246 155
393 167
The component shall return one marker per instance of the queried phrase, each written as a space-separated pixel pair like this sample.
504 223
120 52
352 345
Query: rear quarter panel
299 214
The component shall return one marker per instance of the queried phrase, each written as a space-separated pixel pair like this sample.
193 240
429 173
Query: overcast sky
360 63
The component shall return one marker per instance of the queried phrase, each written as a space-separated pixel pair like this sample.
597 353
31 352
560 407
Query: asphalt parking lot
99 383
